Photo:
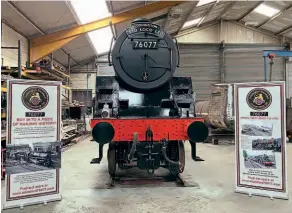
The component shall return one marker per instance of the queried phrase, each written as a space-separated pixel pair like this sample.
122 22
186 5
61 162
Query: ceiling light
252 23
191 23
203 2
266 10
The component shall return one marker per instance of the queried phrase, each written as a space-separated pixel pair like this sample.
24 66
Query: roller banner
260 138
33 148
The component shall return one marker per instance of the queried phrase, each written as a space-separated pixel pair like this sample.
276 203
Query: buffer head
197 131
103 132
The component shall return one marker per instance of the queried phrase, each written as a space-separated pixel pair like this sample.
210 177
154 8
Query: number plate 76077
145 44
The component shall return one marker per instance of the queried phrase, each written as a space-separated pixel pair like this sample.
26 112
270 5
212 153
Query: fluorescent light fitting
203 2
252 23
191 23
266 10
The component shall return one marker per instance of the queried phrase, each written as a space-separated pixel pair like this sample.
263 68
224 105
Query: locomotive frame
144 113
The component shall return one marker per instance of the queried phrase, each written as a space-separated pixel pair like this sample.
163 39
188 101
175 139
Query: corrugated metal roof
15 19
174 24
121 6
51 16
216 11
36 18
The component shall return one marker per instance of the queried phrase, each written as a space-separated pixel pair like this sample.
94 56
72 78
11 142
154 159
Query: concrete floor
84 187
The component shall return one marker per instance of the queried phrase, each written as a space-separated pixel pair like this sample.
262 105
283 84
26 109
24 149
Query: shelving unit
73 124
41 74
3 128
3 115
46 69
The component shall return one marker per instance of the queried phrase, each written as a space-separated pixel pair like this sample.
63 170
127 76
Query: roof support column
222 61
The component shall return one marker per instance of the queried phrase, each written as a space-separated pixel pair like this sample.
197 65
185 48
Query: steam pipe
163 149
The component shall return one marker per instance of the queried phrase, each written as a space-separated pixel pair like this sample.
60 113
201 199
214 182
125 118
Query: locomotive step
197 158
95 161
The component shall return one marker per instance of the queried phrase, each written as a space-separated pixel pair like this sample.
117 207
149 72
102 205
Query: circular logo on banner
259 99
35 98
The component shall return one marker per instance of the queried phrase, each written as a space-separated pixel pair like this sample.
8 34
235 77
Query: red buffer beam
168 128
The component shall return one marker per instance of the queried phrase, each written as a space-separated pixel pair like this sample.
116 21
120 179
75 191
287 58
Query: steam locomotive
143 112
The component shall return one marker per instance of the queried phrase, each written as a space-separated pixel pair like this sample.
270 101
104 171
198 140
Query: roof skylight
191 23
266 10
203 2
84 10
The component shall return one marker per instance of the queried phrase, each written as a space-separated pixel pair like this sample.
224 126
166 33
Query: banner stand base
29 203
250 195
263 194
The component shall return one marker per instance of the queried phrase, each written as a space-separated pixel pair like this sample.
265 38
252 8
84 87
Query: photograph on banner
261 143
260 137
34 157
259 159
256 128
271 143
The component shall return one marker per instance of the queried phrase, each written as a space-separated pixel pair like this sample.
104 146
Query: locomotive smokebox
103 132
197 131
144 56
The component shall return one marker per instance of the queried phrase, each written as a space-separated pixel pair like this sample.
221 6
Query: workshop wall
10 38
230 32
289 78
9 57
200 58
83 77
